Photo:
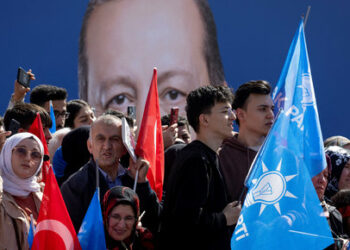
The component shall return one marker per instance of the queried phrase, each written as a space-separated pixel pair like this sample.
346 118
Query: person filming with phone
21 86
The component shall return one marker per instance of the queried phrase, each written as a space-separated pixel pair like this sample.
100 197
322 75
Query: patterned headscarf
339 157
120 195
114 197
11 182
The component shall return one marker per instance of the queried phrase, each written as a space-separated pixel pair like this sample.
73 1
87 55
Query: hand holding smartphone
23 77
132 112
174 114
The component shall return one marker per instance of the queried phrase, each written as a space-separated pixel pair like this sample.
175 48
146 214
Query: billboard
253 39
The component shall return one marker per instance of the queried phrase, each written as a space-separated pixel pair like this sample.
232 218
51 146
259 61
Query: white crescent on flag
59 228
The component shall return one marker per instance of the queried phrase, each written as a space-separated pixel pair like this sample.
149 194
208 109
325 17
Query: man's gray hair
105 119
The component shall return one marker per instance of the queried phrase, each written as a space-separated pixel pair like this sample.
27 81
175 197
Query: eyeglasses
127 219
57 113
22 152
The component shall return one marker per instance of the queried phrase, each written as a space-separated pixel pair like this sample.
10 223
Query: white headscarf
11 182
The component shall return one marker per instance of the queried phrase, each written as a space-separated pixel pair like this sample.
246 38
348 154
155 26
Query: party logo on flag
269 189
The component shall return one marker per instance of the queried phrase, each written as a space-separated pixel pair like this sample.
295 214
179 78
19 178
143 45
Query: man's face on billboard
126 39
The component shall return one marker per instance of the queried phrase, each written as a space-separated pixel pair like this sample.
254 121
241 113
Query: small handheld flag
150 140
31 231
54 228
53 119
91 234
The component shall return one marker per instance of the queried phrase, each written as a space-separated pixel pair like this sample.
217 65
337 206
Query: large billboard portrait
104 51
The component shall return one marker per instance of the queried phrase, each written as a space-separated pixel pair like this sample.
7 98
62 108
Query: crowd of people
204 171
205 160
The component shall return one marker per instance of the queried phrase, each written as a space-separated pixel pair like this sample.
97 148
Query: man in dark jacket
197 214
254 110
106 146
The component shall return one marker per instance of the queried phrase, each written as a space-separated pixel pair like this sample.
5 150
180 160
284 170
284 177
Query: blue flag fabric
53 119
295 94
91 234
281 209
31 234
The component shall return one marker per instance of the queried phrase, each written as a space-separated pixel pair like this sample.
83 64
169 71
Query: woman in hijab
74 152
337 140
121 211
340 174
20 195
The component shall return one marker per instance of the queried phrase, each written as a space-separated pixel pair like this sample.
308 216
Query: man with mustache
106 146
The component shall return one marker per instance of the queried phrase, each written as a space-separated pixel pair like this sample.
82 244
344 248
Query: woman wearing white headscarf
20 194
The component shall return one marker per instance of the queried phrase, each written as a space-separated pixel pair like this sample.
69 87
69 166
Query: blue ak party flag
91 234
281 209
295 94
53 119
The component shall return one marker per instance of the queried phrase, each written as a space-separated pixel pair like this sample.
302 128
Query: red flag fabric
37 129
150 139
54 228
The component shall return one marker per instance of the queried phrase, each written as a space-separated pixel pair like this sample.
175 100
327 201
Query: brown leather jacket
235 160
13 217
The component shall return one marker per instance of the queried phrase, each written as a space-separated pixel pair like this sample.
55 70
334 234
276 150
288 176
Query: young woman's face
85 116
121 222
26 158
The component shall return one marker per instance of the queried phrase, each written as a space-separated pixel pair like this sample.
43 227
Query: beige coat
10 212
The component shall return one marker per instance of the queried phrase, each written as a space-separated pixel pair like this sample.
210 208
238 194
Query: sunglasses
22 152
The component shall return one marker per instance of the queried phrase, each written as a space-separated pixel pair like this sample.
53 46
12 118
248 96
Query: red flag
37 129
54 229
150 140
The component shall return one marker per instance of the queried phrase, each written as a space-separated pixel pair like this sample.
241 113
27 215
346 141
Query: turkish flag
150 139
37 129
54 228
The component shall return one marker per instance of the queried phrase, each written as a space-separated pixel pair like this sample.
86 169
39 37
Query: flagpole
307 15
97 181
136 178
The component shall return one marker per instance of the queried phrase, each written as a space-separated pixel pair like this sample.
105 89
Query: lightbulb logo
269 189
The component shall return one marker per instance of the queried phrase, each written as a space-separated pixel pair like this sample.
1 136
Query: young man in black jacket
197 214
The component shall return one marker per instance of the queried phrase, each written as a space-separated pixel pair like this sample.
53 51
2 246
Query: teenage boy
197 214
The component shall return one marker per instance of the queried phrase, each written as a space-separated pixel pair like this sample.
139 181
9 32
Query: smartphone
23 78
132 112
14 126
174 113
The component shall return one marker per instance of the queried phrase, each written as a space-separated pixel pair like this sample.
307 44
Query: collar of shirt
117 182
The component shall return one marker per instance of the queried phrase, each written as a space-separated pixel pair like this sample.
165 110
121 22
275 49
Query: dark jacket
194 201
335 222
170 156
235 160
78 190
